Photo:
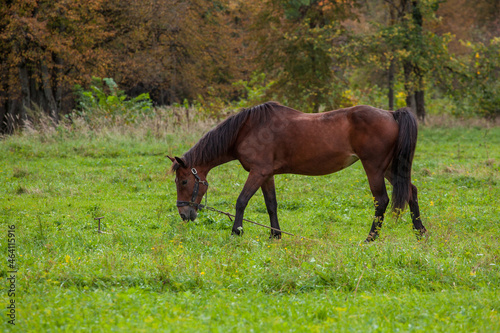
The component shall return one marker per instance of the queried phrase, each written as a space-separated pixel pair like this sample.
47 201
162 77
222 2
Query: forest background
436 56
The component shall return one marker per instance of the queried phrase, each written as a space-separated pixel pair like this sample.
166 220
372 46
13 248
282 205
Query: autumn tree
178 50
175 50
474 21
46 47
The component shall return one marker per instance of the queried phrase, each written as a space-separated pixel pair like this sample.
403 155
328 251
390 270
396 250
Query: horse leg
381 200
415 213
269 192
254 181
418 227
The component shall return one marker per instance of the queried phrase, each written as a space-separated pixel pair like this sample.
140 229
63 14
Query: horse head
191 187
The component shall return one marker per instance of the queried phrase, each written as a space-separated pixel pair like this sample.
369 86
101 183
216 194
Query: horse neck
205 168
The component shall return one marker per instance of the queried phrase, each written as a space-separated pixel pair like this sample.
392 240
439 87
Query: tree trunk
411 102
49 94
419 91
59 87
420 104
3 108
390 76
25 94
11 118
409 87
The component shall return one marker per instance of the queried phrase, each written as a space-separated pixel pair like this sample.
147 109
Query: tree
178 50
401 41
46 47
477 82
298 44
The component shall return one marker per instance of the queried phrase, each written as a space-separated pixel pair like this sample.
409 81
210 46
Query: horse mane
218 141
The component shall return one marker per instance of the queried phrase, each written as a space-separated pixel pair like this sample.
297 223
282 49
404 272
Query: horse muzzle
188 213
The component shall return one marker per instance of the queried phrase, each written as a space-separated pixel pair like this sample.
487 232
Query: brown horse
272 139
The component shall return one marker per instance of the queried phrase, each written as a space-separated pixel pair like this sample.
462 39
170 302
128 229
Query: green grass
153 271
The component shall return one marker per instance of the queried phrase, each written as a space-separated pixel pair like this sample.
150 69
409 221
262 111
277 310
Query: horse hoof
275 236
421 234
371 237
237 232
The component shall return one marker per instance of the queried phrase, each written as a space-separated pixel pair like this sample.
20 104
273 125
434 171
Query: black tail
403 157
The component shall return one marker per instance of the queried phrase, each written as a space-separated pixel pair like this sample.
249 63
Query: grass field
153 271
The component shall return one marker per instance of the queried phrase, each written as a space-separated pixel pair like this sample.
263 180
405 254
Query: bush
104 98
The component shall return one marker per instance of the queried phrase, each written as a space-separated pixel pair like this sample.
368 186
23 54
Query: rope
229 215
192 203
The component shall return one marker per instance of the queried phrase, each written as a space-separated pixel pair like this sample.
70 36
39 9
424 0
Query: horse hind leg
415 213
418 226
381 201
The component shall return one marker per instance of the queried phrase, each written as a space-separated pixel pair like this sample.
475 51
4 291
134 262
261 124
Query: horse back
314 144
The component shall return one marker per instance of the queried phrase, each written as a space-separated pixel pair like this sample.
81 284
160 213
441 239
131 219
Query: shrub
104 98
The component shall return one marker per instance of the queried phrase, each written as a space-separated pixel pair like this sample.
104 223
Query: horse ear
181 162
171 158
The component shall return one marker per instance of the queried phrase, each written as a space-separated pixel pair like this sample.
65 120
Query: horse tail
403 157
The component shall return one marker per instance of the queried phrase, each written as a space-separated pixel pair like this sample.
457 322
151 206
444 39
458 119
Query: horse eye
184 182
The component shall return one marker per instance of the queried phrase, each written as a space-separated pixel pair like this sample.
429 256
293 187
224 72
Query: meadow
152 271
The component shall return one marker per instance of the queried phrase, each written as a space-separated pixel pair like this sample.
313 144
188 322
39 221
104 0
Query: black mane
218 141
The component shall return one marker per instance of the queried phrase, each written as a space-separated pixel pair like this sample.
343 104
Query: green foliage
479 79
417 54
212 105
104 97
153 272
298 43
255 91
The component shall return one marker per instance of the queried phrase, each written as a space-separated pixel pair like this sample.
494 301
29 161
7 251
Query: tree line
308 54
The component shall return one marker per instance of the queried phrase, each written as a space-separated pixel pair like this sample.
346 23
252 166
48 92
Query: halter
197 183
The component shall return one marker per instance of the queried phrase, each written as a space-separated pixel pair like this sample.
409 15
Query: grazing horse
272 139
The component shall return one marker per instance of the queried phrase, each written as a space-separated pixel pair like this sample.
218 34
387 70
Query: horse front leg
269 192
254 181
